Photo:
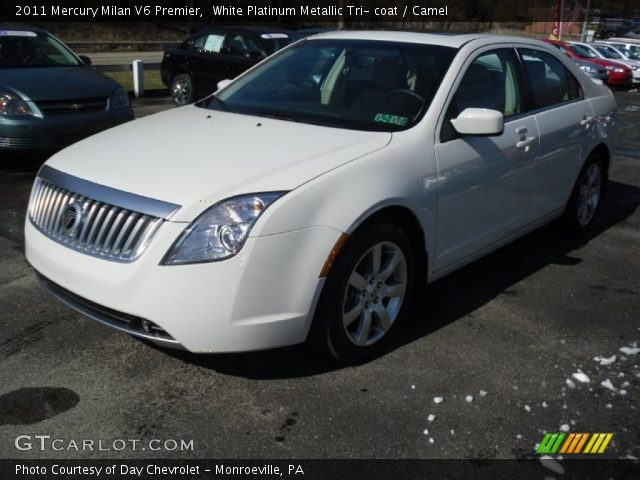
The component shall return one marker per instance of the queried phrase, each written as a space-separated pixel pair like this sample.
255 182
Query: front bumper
619 79
52 132
262 298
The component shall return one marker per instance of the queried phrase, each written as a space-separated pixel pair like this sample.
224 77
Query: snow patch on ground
604 360
438 400
483 393
581 377
431 440
545 404
570 383
564 427
468 398
608 385
633 350
426 431
527 408
431 417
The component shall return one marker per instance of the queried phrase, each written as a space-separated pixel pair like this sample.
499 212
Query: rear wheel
366 295
586 196
182 89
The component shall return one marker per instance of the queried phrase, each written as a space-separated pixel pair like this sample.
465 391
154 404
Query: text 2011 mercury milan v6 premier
312 196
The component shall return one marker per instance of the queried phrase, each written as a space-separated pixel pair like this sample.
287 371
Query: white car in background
628 49
310 198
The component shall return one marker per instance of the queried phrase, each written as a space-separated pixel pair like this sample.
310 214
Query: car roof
446 39
243 28
21 28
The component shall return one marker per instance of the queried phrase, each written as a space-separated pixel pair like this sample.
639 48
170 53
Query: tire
355 318
182 89
586 197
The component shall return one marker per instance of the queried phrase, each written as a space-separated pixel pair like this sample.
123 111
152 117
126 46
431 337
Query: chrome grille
90 226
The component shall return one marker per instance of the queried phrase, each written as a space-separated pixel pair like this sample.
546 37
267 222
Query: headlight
220 232
12 104
615 69
119 99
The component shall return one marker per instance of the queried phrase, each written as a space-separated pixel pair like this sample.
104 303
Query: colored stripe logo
572 443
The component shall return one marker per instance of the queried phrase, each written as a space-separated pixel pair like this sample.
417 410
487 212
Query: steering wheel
34 56
407 92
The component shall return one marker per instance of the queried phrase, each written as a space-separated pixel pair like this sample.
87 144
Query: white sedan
313 196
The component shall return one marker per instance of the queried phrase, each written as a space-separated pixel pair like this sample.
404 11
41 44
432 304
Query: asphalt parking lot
484 370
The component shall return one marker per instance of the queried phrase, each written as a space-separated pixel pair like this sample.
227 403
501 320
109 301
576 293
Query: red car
619 74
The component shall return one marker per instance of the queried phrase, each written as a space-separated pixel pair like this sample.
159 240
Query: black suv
193 69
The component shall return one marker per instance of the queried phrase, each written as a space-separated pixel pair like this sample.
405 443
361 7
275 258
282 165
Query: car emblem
75 106
71 218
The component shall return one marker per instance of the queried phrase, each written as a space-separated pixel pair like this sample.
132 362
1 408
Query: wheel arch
406 219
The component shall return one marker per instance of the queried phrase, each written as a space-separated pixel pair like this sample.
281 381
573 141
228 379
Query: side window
211 43
490 81
551 82
242 46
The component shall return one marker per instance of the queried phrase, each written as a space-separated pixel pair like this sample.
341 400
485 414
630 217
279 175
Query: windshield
357 84
23 49
583 51
608 52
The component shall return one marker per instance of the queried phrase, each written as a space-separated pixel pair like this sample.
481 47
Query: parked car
619 74
311 197
193 69
50 97
592 70
607 52
301 33
628 49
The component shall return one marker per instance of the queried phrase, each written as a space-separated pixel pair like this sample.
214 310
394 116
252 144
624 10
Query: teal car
49 96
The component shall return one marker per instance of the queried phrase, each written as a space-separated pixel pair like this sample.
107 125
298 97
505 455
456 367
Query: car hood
607 63
192 156
57 83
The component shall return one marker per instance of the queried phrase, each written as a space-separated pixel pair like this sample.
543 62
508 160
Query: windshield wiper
277 115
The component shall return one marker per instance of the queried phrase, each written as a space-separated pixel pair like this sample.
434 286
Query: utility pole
585 22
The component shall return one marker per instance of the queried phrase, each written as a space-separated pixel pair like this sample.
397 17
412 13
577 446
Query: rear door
479 200
565 122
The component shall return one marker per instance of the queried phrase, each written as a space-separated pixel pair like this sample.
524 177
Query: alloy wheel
374 294
589 194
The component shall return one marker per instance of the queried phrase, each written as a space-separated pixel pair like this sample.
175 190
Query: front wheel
182 89
366 295
586 197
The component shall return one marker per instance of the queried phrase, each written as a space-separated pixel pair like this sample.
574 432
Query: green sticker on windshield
392 119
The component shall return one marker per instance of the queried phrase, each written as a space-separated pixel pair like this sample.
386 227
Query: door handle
586 121
525 143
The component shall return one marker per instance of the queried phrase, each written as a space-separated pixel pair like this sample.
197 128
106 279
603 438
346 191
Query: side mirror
479 121
223 83
86 60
